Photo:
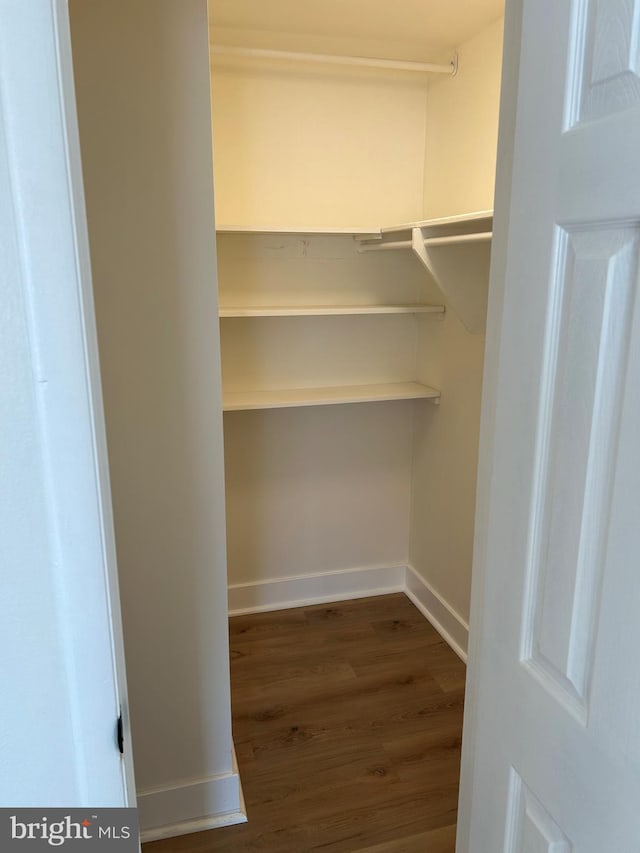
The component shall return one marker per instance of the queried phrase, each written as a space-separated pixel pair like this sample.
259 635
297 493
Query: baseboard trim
192 806
186 827
306 590
325 587
447 621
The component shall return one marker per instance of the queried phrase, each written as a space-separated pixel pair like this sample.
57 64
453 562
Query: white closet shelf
294 397
465 223
324 310
362 233
455 251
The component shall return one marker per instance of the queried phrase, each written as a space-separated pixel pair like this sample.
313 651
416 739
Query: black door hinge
120 734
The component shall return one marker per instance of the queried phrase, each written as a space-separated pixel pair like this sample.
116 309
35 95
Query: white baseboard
191 806
305 590
447 622
322 588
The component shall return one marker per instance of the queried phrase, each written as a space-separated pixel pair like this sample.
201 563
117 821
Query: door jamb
498 286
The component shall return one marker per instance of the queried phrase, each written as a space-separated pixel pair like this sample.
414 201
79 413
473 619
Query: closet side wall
142 77
298 146
462 129
445 462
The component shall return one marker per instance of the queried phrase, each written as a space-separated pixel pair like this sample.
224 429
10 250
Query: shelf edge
244 312
419 392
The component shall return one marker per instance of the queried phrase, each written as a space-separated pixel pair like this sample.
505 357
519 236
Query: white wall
294 145
314 490
300 146
462 129
36 768
317 489
60 622
445 462
142 76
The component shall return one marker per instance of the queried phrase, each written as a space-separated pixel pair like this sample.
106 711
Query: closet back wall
317 490
299 145
327 490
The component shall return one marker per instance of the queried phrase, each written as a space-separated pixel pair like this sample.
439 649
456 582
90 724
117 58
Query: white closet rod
483 237
385 247
330 59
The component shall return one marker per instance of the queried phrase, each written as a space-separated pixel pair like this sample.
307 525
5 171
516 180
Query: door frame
497 289
46 228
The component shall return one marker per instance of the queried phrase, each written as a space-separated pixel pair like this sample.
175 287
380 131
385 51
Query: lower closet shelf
289 398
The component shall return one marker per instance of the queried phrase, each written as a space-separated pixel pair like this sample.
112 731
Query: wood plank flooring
347 725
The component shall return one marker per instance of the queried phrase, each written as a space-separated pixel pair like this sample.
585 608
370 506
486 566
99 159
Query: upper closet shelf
360 233
465 223
324 310
455 251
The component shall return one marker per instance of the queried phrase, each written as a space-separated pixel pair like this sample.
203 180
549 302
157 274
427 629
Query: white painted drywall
445 459
316 490
142 76
321 489
36 766
294 145
61 668
462 129
286 153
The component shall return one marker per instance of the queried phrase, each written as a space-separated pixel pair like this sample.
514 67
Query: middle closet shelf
324 310
345 327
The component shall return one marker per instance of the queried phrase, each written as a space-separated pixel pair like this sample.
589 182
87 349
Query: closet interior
352 244
353 216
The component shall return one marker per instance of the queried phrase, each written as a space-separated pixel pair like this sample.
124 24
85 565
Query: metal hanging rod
483 237
331 59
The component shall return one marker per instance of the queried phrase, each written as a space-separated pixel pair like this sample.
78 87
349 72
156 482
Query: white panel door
552 730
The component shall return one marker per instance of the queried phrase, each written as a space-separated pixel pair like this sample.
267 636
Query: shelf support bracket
420 251
462 277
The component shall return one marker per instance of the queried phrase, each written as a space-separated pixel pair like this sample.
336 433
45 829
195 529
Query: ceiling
438 24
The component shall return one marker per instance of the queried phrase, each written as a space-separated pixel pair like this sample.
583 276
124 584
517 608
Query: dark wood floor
347 726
